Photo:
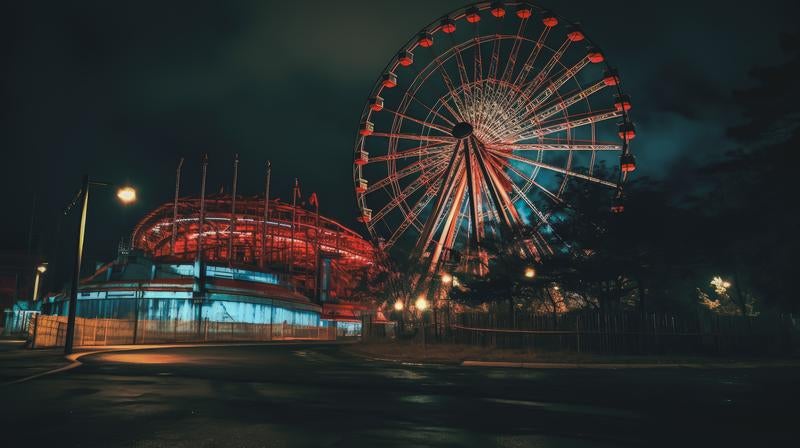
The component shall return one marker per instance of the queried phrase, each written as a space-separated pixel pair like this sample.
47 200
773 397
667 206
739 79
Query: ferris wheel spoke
534 130
477 67
508 71
477 63
494 60
553 147
410 189
469 101
452 91
501 95
531 181
430 110
527 67
544 219
412 168
523 195
497 192
437 127
424 138
567 102
542 76
555 85
420 151
527 89
530 107
489 88
446 183
411 219
449 221
556 169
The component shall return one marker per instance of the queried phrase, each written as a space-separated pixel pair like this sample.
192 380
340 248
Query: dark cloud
688 94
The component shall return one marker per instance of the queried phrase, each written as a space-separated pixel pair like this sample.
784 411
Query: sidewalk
476 356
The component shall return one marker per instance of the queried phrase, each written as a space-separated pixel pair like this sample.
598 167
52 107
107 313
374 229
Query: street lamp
421 303
530 272
447 278
125 194
398 306
41 269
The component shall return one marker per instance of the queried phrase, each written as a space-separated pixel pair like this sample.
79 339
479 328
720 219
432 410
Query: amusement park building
220 261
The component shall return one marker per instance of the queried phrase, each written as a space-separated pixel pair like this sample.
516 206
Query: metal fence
616 333
50 331
16 322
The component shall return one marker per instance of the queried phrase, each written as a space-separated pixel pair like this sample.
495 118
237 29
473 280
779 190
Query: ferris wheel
479 125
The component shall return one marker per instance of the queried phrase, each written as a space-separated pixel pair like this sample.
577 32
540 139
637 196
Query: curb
615 366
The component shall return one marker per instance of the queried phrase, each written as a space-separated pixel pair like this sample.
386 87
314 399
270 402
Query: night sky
121 90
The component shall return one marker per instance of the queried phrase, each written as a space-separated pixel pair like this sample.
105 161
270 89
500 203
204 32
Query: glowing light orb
126 194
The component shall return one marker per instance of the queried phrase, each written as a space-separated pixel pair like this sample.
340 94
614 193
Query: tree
751 221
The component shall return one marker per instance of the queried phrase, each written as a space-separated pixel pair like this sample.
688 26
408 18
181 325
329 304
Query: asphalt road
317 396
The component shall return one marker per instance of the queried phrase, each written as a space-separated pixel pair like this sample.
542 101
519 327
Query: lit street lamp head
530 272
398 306
42 268
447 278
421 304
127 195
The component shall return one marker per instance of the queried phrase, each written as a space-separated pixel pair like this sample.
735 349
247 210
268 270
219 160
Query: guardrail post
35 330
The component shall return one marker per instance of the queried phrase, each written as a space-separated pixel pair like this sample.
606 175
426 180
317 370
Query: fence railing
50 331
616 333
17 322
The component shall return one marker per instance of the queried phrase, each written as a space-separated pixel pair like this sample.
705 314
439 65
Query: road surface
318 396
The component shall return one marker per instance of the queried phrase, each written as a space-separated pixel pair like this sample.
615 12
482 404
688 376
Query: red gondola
405 58
498 10
622 102
472 15
448 26
367 128
361 186
627 131
549 19
595 55
425 40
575 33
366 215
376 104
618 206
611 77
627 163
524 11
362 158
389 80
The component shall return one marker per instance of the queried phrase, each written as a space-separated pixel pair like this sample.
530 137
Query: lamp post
126 195
421 305
41 269
441 298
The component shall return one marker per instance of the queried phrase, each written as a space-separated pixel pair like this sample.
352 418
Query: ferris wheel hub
461 130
